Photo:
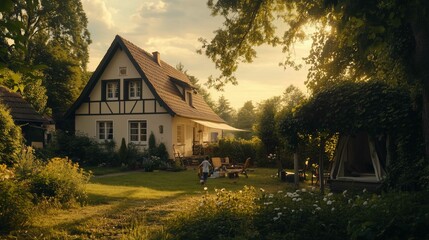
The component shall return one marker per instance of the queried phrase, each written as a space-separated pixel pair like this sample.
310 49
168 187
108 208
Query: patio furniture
235 170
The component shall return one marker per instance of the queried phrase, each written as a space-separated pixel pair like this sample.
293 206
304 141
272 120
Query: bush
226 215
303 214
11 138
60 181
81 149
238 150
15 201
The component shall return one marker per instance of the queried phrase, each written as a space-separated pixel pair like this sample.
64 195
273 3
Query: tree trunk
421 61
295 169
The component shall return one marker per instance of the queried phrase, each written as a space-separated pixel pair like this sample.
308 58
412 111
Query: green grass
117 198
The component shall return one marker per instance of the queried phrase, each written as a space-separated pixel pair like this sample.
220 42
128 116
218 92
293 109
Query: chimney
157 57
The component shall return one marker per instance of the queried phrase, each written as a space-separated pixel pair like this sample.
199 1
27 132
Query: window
122 71
134 89
105 130
189 98
112 90
180 134
138 131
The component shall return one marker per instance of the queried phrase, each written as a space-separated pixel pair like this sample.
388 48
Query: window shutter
126 83
103 90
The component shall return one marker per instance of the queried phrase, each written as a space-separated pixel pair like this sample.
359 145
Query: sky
173 27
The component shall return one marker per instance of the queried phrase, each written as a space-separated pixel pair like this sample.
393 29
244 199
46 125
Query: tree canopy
45 40
353 40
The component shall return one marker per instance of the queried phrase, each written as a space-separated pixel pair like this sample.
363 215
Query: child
205 166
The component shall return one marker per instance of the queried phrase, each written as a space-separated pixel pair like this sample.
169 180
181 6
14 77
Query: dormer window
122 71
189 98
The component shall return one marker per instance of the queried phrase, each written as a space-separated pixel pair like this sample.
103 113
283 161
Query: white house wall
186 147
88 126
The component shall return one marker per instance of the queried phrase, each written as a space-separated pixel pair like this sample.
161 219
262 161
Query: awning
216 125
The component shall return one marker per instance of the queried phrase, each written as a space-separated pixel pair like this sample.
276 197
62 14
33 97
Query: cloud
98 13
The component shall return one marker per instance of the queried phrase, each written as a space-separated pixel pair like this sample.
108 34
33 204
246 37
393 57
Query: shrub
303 214
15 201
11 138
123 152
238 150
60 181
225 215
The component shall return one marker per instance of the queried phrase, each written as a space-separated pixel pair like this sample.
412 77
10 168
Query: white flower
345 191
303 190
330 194
333 209
276 209
315 205
276 218
298 199
365 203
329 202
279 214
261 189
268 203
280 191
318 208
205 188
271 196
313 189
325 199
364 190
350 201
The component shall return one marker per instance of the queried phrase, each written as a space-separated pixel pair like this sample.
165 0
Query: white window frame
112 90
180 134
141 131
134 89
103 133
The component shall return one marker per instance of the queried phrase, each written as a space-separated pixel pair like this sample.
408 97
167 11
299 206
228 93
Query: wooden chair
178 156
216 162
233 173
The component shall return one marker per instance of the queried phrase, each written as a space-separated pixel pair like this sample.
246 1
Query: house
133 93
35 127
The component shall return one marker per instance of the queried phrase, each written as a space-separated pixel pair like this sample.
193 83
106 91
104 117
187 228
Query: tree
266 124
246 118
354 41
36 34
292 98
224 109
11 139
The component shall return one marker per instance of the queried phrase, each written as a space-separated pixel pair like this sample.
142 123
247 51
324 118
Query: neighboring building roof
20 109
160 78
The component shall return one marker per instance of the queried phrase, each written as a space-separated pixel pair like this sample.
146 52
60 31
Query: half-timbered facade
134 93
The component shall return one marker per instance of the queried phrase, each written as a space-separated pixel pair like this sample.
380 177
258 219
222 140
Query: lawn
118 197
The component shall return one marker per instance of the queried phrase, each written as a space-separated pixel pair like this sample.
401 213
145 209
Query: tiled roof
21 110
160 78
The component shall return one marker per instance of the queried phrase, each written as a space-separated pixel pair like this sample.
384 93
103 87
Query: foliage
11 138
373 107
353 41
266 124
246 118
81 149
61 182
152 144
123 152
238 150
51 36
303 214
15 201
223 216
224 110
